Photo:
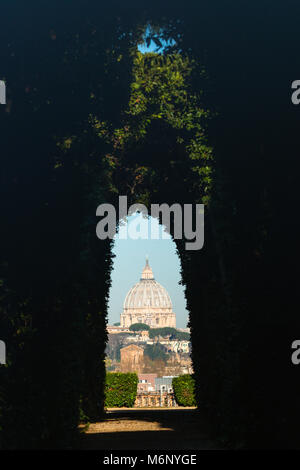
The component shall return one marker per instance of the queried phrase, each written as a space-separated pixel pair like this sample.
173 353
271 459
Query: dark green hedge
184 390
120 389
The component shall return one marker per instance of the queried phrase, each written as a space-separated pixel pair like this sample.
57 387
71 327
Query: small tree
184 390
180 336
139 327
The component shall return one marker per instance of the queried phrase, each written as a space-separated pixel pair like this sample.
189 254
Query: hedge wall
120 389
184 390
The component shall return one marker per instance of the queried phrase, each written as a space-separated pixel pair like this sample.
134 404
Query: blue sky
152 46
130 261
143 48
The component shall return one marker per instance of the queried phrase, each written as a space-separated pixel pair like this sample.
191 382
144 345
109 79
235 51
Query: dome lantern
147 271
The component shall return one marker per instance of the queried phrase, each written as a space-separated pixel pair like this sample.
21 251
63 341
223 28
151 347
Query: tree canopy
139 327
171 333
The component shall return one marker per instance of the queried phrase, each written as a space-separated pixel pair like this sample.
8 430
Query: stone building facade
146 383
155 400
148 302
131 358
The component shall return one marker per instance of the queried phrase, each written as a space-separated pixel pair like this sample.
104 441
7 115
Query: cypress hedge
184 390
120 389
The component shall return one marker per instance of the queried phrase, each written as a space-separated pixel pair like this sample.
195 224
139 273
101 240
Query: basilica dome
147 293
148 302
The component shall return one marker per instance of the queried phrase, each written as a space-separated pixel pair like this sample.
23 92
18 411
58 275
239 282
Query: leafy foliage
166 121
120 389
184 390
169 332
139 327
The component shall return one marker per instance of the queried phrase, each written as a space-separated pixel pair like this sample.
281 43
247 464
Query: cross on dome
147 271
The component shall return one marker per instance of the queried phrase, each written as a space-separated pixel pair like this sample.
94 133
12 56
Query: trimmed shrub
120 389
184 390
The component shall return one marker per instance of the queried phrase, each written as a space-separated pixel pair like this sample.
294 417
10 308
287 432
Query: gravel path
134 429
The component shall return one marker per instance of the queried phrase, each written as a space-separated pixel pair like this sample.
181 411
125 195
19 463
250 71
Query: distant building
146 383
164 384
131 358
138 338
155 392
155 399
176 346
184 330
117 329
143 334
148 302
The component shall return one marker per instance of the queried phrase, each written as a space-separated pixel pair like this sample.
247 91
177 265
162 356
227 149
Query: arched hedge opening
89 118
